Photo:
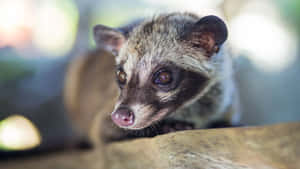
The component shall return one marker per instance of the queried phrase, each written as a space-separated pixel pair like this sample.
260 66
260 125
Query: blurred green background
38 38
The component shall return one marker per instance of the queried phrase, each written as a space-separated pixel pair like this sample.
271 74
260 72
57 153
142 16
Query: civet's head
162 64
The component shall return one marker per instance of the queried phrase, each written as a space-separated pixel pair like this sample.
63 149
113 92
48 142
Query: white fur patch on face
166 96
141 109
158 116
145 69
130 65
144 115
141 112
122 54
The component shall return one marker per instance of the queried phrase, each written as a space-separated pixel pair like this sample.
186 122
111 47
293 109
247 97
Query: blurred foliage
109 14
290 11
114 15
12 67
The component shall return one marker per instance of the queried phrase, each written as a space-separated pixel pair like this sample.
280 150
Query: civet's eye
162 77
121 76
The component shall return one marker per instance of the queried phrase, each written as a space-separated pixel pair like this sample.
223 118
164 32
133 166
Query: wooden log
264 147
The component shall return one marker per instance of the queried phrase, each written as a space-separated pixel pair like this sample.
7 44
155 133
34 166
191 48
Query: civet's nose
123 117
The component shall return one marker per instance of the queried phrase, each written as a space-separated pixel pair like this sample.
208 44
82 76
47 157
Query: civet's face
155 65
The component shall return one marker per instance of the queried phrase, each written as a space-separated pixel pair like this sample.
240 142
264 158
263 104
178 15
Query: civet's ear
209 33
108 38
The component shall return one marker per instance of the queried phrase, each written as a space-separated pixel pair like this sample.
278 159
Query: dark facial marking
191 85
148 28
121 75
163 78
166 78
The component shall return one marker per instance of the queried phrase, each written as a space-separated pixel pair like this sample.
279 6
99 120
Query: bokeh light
49 26
56 27
263 38
16 22
18 133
